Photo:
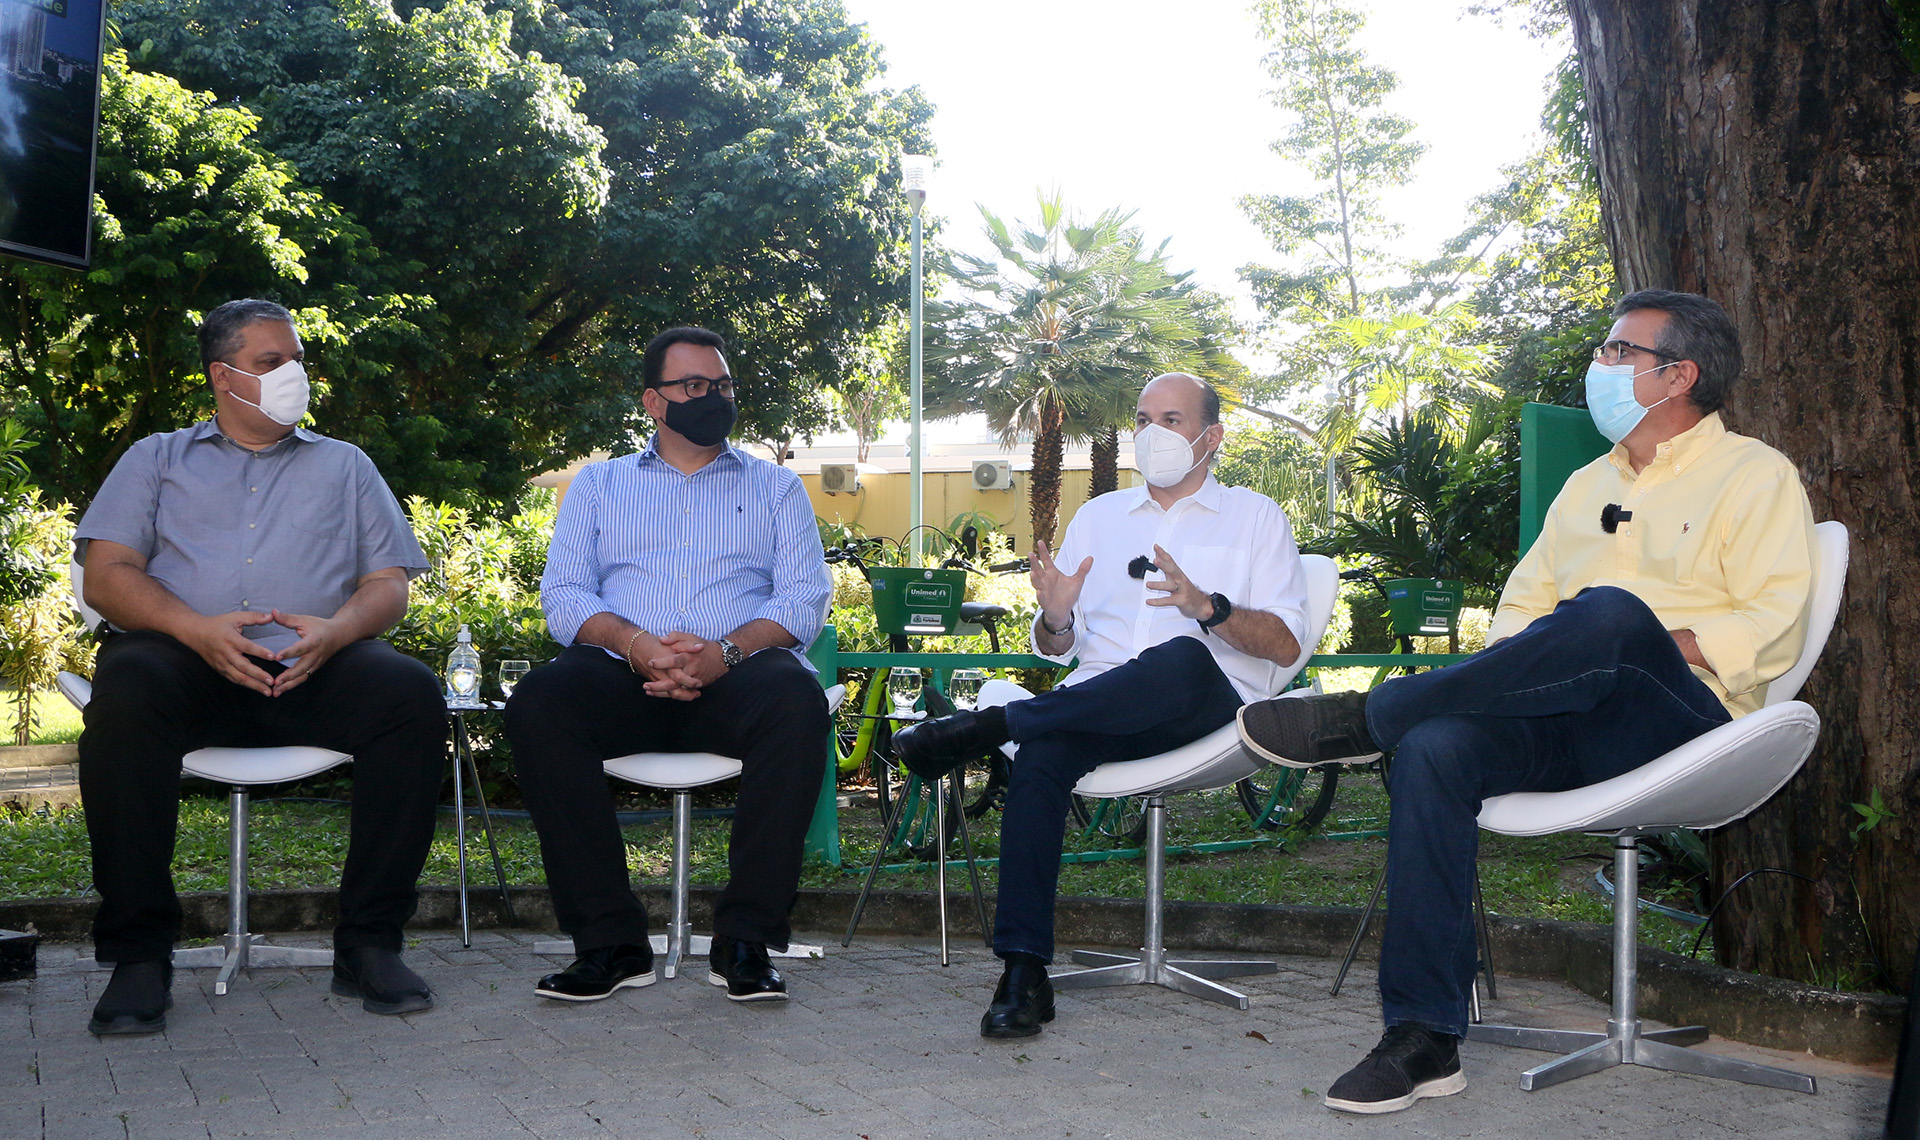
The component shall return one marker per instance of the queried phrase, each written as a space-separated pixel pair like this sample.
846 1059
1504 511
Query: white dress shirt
1227 540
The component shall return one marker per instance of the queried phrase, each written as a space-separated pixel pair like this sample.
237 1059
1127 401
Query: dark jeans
155 700
1592 690
586 707
1170 695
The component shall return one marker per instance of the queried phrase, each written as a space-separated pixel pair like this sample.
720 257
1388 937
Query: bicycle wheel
1291 799
913 829
1124 819
991 793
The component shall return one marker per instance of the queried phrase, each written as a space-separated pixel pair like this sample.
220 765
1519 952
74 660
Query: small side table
463 756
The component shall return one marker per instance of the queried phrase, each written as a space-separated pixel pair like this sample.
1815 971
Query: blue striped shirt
704 553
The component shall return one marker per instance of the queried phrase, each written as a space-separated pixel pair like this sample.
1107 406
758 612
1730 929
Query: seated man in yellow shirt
1669 584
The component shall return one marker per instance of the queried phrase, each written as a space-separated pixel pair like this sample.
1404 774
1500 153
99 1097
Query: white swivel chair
1707 782
1216 760
240 769
680 773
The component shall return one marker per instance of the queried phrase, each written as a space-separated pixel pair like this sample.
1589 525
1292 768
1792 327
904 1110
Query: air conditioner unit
838 478
993 475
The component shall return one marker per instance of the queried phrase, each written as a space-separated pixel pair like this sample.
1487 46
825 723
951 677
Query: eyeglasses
1614 351
698 386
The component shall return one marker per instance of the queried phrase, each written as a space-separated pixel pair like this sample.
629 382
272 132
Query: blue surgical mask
1610 399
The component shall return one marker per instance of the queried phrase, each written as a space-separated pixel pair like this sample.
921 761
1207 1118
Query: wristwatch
1222 610
730 653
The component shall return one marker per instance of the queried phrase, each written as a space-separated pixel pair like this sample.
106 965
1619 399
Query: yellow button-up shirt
1721 542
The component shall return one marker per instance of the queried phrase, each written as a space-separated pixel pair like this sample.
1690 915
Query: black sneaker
596 974
1304 732
1410 1062
746 969
136 1000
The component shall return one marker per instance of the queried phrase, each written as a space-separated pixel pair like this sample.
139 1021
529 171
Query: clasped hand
677 666
221 643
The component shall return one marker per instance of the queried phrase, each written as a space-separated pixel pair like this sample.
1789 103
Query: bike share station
918 602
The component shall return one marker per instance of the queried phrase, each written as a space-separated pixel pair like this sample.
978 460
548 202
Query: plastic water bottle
463 670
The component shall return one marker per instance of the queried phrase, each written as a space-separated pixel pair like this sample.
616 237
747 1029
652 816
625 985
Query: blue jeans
1171 694
1592 690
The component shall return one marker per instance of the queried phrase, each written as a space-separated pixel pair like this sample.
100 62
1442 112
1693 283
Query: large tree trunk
1106 463
1043 487
1767 154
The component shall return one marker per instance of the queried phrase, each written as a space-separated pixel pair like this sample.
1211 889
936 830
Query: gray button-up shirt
292 527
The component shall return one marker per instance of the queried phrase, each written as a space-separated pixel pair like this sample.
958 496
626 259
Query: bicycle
868 743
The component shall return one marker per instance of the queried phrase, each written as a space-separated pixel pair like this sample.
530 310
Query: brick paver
879 1043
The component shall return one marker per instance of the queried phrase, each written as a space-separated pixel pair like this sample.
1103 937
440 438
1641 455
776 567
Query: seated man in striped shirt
1669 585
685 582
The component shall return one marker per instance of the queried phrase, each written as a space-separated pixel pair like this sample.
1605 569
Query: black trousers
586 707
155 700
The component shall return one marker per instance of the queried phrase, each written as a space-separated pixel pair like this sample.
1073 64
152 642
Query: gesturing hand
320 639
1177 590
1057 592
219 642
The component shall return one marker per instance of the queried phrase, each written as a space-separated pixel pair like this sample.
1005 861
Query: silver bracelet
1053 631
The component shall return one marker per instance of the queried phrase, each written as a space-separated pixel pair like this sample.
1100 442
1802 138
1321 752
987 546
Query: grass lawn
57 721
299 844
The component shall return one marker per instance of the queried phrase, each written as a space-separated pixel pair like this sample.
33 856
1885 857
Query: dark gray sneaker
1410 1062
1305 732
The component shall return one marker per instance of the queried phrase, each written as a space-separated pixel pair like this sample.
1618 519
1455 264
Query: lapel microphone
1612 516
1140 565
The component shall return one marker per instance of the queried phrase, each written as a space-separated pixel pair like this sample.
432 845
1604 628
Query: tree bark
1766 155
1106 463
1049 448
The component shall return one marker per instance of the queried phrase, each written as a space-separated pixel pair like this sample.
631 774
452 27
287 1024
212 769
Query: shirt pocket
1218 570
1672 545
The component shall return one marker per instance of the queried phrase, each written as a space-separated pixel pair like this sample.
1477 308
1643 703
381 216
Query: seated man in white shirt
1163 660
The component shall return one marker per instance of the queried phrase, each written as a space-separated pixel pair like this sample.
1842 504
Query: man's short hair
655 357
1209 403
1697 329
220 332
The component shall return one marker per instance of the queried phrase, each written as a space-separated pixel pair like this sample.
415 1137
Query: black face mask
704 420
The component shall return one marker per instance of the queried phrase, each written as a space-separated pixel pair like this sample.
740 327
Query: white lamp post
916 170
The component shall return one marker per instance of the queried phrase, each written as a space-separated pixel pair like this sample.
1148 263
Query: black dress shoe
596 974
746 970
932 748
380 979
136 1000
1023 1002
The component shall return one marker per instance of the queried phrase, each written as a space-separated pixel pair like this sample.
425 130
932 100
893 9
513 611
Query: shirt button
250 526
249 561
255 490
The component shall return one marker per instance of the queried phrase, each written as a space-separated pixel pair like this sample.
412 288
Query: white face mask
1163 456
284 392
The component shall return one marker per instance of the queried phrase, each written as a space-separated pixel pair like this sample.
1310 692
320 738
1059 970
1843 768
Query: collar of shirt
650 455
210 429
1681 451
1209 495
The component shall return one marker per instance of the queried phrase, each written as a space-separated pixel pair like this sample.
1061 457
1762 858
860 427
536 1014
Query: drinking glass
510 674
904 687
963 688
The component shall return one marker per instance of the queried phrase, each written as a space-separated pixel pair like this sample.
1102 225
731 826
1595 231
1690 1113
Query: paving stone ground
879 1042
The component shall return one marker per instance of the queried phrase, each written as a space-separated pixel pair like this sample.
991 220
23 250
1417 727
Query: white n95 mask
284 392
1163 456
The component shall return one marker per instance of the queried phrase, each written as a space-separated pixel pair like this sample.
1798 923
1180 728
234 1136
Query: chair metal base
1625 1042
1630 1045
679 941
1156 969
1153 967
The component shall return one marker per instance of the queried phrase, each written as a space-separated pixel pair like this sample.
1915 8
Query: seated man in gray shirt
245 567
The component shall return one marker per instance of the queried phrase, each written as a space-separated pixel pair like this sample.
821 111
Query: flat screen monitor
49 127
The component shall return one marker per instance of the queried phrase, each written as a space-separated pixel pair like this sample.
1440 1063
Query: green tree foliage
189 211
514 195
1055 333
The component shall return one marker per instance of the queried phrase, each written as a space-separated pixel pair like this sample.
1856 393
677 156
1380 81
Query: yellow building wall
881 506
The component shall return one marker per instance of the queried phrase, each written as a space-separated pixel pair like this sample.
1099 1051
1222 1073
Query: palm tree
1056 333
